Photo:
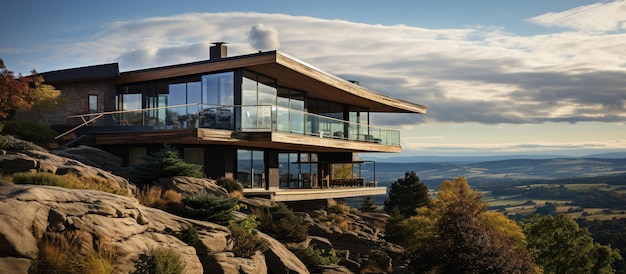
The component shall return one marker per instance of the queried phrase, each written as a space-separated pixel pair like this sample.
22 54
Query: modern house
280 127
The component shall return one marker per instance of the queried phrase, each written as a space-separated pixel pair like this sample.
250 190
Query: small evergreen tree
162 164
282 224
368 205
407 194
209 207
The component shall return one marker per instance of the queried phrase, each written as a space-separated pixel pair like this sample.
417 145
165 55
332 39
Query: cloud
524 147
598 17
479 75
263 38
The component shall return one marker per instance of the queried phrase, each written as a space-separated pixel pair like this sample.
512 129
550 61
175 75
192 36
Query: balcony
245 119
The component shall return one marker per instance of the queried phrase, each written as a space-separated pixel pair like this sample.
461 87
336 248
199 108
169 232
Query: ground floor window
136 155
297 170
251 168
194 155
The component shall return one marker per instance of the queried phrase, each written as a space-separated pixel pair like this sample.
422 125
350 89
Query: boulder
27 213
92 156
227 263
189 186
280 260
330 269
42 161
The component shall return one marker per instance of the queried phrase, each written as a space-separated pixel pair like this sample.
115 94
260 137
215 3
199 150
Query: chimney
218 50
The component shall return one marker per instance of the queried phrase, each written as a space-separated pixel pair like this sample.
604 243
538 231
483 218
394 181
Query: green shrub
229 184
246 242
313 257
164 163
282 224
29 131
165 261
209 207
189 235
11 143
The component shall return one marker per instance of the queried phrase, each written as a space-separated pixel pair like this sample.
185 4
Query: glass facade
297 170
251 168
243 100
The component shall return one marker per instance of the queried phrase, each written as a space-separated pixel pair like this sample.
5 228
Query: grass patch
161 260
66 253
68 181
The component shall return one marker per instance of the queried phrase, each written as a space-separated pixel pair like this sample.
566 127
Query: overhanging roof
289 72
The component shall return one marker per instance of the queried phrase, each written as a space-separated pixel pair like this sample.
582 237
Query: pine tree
164 163
368 205
407 194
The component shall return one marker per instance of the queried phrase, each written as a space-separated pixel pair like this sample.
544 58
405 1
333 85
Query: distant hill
477 159
433 173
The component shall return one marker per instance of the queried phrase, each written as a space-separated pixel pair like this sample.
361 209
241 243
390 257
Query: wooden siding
264 140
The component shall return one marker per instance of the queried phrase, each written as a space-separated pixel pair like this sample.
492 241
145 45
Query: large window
297 170
218 100
258 94
251 168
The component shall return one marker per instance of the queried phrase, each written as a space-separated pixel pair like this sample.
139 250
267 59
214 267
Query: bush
11 143
189 235
29 131
209 207
68 181
245 240
164 163
312 257
229 184
165 261
282 224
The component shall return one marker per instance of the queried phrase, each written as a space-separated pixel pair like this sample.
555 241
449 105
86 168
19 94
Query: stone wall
77 95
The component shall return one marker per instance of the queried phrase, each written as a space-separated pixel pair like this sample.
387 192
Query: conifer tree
407 194
162 164
368 205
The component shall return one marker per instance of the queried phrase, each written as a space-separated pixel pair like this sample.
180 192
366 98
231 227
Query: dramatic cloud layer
482 75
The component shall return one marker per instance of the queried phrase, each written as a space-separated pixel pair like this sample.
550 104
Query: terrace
248 118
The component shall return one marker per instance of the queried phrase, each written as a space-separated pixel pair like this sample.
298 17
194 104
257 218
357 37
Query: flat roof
289 72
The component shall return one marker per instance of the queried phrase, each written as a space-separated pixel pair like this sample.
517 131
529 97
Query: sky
498 77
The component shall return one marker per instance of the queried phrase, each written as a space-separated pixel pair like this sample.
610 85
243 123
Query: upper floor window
93 103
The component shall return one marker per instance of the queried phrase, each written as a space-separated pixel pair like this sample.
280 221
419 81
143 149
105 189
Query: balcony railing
248 118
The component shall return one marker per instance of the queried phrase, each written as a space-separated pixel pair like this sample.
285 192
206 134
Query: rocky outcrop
93 157
29 212
189 186
352 236
280 260
42 161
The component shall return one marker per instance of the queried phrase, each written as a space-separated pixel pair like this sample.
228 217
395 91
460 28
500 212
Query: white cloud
478 75
598 17
262 37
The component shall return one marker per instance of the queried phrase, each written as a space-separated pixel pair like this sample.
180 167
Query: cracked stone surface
26 212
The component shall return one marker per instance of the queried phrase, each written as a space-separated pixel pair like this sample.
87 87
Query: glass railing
261 118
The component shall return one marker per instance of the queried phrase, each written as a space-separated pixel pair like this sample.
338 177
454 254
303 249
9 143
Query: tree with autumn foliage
26 93
456 234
